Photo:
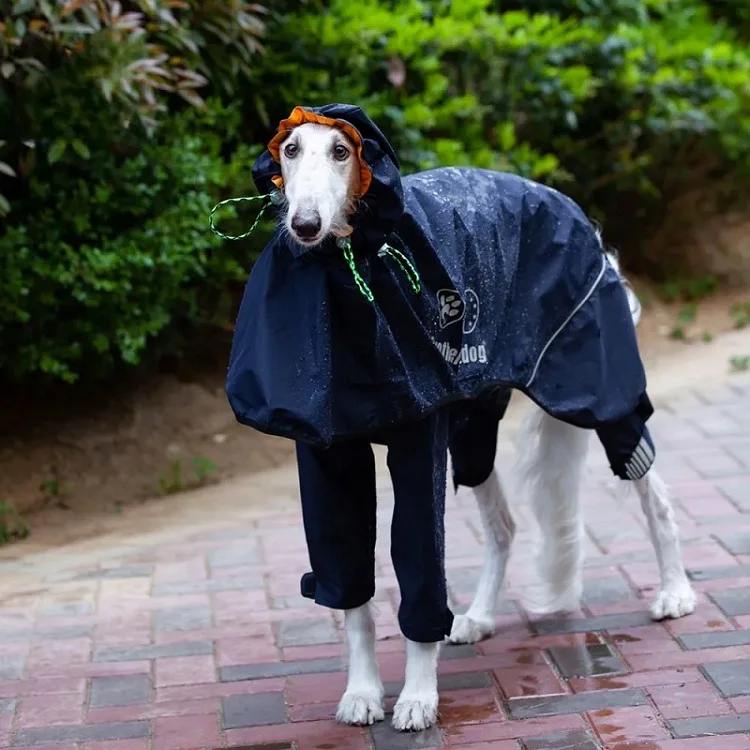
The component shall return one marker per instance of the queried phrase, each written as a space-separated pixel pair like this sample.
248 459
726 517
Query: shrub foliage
121 123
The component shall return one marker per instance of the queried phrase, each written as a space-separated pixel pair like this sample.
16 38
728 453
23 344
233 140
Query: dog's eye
341 152
290 150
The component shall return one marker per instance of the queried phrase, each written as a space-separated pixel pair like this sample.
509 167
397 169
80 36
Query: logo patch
454 308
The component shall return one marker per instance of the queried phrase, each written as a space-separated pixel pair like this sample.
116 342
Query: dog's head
320 170
337 171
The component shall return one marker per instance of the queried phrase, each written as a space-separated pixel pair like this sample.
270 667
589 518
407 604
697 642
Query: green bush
112 251
110 160
603 98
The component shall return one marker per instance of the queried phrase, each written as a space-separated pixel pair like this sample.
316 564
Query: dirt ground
169 434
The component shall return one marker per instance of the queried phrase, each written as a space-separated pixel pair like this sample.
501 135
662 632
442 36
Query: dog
365 320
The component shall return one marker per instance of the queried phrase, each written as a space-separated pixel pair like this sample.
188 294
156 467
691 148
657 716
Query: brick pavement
190 634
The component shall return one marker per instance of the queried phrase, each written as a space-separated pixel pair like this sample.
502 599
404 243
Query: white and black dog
403 311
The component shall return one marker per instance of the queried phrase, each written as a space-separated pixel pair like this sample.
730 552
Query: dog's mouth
308 241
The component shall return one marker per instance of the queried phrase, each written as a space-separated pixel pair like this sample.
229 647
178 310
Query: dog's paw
361 708
468 630
415 712
673 602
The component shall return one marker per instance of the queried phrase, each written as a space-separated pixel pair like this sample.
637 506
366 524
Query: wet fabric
337 486
516 293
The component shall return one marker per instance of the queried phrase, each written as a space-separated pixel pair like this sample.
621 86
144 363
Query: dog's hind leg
362 703
499 528
676 597
553 455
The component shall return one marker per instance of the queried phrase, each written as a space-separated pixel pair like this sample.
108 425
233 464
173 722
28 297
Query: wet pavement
178 626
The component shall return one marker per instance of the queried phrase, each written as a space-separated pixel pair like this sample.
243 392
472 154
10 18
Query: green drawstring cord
346 246
276 198
405 264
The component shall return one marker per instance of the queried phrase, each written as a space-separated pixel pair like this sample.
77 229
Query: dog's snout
306 227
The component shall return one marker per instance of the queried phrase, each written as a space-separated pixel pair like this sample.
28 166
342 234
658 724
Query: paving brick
464 651
606 590
731 678
632 724
385 737
533 679
185 670
124 571
733 601
583 661
40 711
715 639
49 632
82 733
120 690
524 708
307 632
724 571
503 730
11 667
688 699
182 618
186 733
279 669
737 490
592 624
156 651
253 710
572 739
245 554
468 706
142 744
212 585
66 609
736 543
710 725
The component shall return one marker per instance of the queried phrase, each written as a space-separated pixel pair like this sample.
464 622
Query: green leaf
4 205
81 149
7 169
23 6
57 150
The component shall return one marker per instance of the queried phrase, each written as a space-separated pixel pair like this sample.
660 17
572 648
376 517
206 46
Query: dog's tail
549 472
633 302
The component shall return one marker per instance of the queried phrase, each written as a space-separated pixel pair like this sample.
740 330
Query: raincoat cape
517 292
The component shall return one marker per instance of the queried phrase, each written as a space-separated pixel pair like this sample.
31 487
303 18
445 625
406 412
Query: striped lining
640 461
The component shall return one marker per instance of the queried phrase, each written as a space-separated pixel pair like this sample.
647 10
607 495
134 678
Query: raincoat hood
381 204
515 291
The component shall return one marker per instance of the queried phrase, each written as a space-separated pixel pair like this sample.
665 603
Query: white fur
499 528
316 183
362 703
553 455
552 459
417 705
676 597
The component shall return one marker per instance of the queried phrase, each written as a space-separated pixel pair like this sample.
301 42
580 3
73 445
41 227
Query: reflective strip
640 461
567 320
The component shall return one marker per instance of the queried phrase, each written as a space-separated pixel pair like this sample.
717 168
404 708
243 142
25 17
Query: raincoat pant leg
473 437
417 457
337 486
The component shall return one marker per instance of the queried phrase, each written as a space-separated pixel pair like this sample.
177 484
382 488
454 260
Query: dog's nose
306 227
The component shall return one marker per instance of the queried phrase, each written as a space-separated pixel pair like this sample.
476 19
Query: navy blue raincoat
516 292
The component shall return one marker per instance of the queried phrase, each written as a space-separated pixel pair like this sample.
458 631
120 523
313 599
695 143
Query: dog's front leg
362 703
676 597
417 706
